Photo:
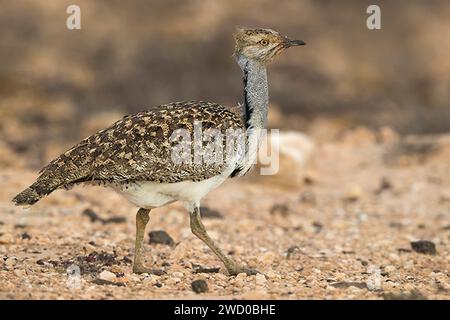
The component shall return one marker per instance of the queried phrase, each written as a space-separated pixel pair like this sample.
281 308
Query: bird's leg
199 230
142 219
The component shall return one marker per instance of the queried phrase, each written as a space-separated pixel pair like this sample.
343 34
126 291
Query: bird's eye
264 42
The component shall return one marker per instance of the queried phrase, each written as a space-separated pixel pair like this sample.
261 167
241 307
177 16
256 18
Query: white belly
151 195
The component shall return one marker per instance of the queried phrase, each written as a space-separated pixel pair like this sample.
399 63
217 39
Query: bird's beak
291 43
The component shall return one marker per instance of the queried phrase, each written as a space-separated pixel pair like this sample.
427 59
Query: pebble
280 208
199 286
390 268
10 262
238 250
272 275
424 246
241 277
260 279
133 277
160 237
117 269
6 238
408 287
394 257
353 193
179 252
206 212
178 275
19 273
257 294
308 197
267 258
107 276
173 280
149 280
340 276
25 236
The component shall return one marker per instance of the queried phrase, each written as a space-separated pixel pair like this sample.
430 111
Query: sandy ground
346 233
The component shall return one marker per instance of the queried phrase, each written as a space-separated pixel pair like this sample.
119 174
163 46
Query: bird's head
261 45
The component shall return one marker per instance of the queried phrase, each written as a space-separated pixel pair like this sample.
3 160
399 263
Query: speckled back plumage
135 148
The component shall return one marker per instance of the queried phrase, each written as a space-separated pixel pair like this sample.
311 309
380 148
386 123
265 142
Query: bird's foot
139 269
236 269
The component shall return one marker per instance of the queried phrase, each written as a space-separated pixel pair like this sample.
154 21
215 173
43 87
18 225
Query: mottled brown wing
138 148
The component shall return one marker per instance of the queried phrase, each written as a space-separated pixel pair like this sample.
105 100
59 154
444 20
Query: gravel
207 212
160 237
107 275
357 243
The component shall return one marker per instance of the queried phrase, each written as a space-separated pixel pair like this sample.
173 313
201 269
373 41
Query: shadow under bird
133 155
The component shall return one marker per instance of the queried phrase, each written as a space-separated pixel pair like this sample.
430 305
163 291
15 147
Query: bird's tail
32 194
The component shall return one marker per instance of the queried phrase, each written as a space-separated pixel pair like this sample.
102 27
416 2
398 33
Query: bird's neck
256 93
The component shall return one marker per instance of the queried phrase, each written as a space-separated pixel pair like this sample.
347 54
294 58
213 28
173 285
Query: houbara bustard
134 156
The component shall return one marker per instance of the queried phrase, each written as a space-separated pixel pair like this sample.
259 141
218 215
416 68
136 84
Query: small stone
340 276
424 246
317 226
280 208
308 197
19 273
25 236
267 258
180 251
260 279
388 135
385 184
107 276
347 284
389 268
115 219
412 295
292 250
199 286
178 275
117 269
133 277
240 277
160 237
353 193
238 250
272 275
92 215
408 287
102 282
394 257
206 212
173 280
10 262
148 279
200 269
6 238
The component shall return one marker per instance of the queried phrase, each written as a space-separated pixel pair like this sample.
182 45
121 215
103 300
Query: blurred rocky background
58 86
